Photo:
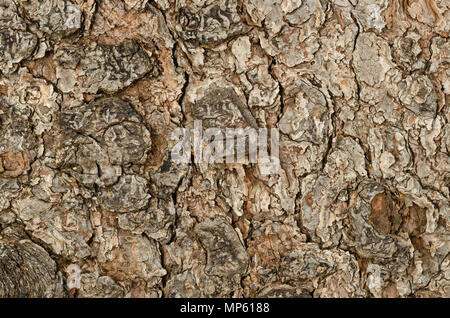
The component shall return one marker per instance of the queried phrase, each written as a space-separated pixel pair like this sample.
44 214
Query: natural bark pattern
26 269
91 204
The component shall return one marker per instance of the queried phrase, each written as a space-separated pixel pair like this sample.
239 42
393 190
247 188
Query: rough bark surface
91 204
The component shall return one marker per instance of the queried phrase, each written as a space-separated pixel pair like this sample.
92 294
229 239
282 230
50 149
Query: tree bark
93 204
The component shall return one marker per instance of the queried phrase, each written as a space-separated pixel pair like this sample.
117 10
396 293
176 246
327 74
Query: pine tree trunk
94 201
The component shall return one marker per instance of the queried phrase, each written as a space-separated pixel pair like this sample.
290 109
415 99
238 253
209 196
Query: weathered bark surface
91 204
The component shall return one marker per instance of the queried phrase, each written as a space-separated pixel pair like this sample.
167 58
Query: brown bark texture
92 204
